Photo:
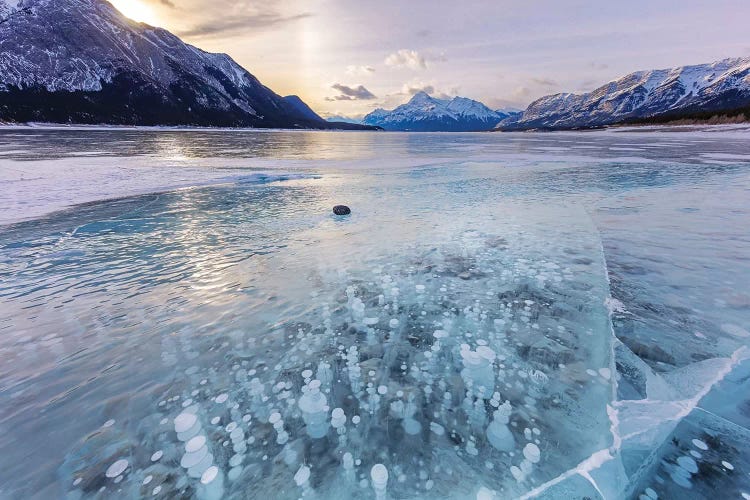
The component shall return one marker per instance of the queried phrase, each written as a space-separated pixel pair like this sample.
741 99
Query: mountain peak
426 113
421 97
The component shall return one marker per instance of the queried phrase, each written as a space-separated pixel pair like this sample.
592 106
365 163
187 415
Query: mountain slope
81 61
720 87
302 107
429 114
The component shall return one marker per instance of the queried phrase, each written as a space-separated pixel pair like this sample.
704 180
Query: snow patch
30 190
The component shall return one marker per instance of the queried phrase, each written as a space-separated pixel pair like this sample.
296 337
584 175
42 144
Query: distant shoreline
157 128
676 126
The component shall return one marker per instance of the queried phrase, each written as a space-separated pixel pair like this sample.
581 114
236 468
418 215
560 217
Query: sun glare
137 11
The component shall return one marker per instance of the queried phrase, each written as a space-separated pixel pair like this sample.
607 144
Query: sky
348 57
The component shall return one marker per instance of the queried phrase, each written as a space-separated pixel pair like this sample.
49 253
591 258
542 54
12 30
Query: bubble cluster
449 376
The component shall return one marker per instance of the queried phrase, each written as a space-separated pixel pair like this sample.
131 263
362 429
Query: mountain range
345 119
424 113
694 92
82 61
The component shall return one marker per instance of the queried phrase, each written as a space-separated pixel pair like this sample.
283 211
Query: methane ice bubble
117 468
209 475
379 477
184 422
688 463
441 376
700 444
192 458
532 453
195 444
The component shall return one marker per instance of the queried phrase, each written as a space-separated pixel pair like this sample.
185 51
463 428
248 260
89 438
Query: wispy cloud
347 93
598 66
360 70
411 88
406 58
231 17
168 3
521 93
545 82
225 27
588 85
432 88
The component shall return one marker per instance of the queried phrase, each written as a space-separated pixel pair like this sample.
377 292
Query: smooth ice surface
451 338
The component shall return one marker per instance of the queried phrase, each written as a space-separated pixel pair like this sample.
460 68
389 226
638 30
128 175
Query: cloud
405 58
545 82
168 3
360 70
598 66
412 88
228 17
521 93
408 89
358 93
497 103
588 85
435 90
234 25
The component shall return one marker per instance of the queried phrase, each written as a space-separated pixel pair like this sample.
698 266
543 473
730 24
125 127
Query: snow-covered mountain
429 114
7 7
343 119
82 61
509 110
688 91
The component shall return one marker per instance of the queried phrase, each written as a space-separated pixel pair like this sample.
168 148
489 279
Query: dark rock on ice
341 210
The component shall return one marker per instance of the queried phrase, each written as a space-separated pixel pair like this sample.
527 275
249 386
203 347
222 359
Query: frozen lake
558 315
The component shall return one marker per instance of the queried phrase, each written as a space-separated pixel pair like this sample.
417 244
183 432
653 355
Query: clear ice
473 330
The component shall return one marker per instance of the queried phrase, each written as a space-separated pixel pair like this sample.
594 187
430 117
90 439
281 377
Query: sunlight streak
137 11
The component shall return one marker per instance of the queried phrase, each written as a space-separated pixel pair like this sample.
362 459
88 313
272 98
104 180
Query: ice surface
454 330
703 457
